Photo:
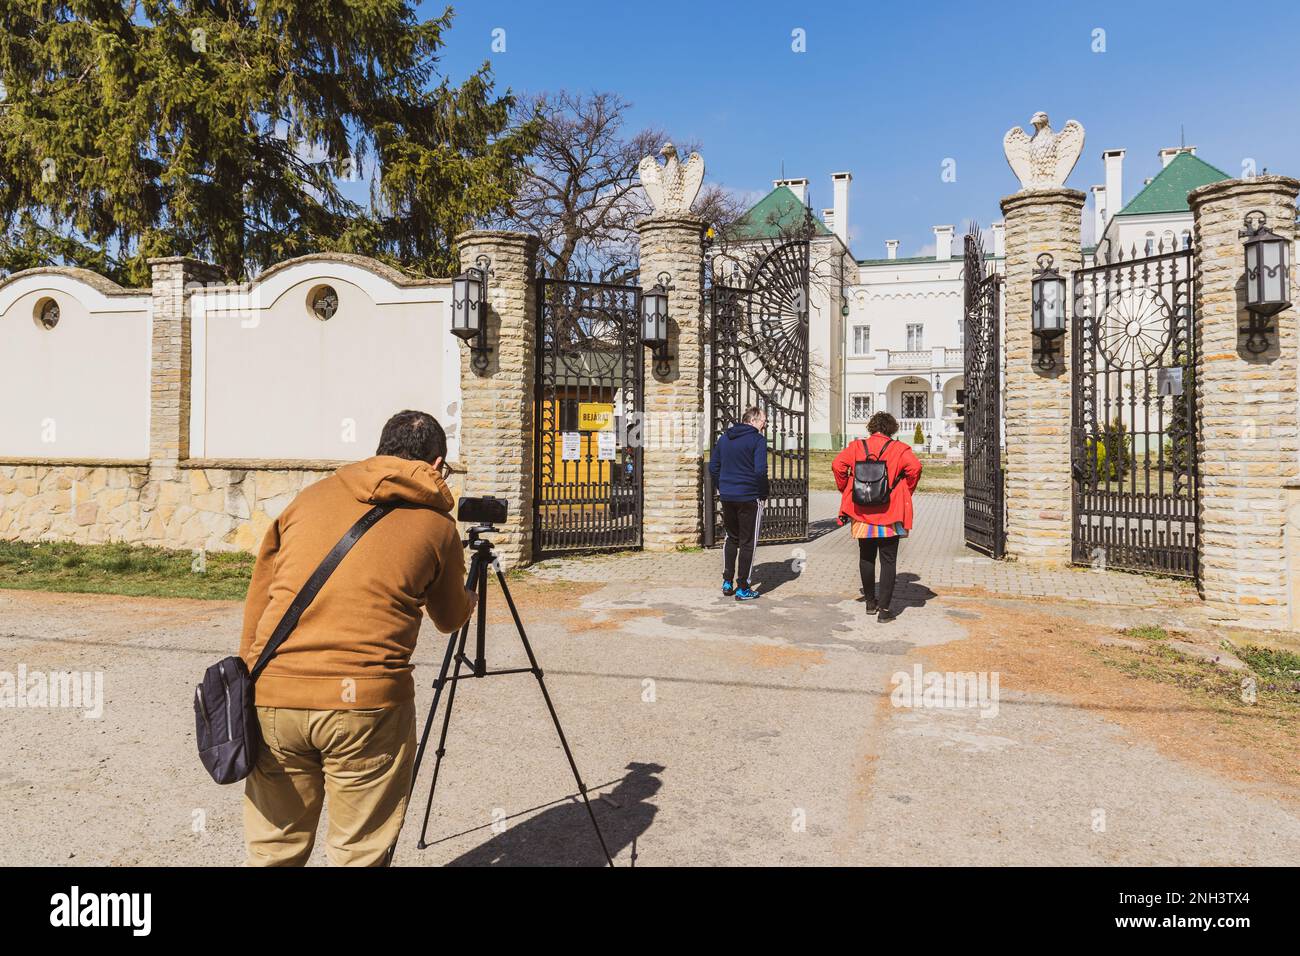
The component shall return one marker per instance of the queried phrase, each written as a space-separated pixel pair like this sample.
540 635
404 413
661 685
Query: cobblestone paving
933 560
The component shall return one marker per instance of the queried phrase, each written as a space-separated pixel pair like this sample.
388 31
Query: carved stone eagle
1044 160
672 187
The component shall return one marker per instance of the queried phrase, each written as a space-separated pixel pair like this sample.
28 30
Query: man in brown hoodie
336 703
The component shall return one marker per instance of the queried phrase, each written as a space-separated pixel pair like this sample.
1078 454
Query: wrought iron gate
1133 435
588 393
981 412
759 356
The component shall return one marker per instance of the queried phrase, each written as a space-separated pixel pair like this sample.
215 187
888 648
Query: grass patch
123 569
1146 633
1277 696
937 474
1270 662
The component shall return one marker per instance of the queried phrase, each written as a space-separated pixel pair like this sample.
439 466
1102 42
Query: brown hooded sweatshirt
352 647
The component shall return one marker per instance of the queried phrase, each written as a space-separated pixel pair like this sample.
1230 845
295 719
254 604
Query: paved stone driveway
932 560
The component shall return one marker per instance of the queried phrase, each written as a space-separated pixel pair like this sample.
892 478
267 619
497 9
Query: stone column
497 405
1247 438
674 403
169 388
1037 402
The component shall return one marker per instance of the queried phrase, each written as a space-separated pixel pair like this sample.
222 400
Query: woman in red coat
878 528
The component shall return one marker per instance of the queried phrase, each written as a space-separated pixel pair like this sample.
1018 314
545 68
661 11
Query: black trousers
887 548
741 519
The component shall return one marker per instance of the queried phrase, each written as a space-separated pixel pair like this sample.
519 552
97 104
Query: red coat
899 458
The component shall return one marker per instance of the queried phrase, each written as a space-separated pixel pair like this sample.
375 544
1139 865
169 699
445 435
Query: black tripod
483 555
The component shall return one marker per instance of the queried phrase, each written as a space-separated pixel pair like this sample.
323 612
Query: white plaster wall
81 389
272 381
1130 232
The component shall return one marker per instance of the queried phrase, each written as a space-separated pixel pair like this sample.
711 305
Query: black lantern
1048 306
469 309
654 322
1268 279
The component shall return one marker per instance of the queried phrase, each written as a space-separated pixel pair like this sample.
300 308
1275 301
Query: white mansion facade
887 333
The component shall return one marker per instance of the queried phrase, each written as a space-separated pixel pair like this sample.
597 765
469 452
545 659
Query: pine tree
222 128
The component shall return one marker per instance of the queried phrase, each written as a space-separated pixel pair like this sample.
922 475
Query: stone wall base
186 508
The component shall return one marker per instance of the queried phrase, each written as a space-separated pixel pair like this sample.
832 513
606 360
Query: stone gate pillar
173 278
1248 431
674 403
1037 402
497 405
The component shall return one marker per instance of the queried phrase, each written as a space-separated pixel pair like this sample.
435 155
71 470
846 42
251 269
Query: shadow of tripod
483 555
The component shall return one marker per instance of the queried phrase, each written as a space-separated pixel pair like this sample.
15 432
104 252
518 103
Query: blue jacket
739 464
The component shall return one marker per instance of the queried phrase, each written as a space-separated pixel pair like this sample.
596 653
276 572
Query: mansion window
915 337
859 408
861 339
916 404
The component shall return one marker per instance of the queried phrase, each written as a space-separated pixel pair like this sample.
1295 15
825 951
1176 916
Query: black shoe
870 604
885 616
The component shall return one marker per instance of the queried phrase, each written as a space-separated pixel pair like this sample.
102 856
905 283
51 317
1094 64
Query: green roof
1168 191
777 214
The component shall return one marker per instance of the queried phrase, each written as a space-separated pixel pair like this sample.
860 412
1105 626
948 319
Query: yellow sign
595 416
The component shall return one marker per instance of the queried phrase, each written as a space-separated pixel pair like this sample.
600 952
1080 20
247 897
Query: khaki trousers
360 760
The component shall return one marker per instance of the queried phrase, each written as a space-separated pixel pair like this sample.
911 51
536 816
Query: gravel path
717 733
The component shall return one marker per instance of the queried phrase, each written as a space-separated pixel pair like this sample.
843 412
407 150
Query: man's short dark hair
884 423
416 436
752 414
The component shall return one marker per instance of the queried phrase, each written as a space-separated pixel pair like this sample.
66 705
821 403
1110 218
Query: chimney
1169 152
828 217
840 189
1098 212
1114 160
942 243
999 238
797 186
891 248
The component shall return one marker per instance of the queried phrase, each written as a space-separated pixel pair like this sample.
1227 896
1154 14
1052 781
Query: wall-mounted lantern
469 309
654 322
1048 306
1268 279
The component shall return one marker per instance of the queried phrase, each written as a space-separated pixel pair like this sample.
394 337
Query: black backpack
225 722
871 485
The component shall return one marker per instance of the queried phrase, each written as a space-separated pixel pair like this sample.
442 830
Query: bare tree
581 194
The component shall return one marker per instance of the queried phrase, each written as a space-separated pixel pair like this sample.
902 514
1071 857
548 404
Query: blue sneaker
746 594
728 589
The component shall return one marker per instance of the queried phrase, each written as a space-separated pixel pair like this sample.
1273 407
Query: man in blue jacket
739 469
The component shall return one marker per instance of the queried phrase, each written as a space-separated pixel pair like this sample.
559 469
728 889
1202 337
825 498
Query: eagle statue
1043 160
672 187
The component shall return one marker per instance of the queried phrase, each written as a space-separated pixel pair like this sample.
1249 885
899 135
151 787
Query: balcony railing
922 358
912 359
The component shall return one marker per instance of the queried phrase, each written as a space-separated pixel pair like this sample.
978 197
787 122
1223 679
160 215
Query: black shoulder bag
225 722
871 485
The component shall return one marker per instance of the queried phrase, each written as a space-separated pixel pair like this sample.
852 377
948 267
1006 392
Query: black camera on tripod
488 510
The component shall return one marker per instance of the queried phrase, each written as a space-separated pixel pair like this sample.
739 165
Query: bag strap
315 583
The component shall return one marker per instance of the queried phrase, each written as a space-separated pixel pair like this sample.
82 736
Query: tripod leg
454 640
438 686
442 737
555 719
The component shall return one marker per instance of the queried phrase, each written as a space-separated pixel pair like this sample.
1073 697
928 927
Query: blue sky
890 91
